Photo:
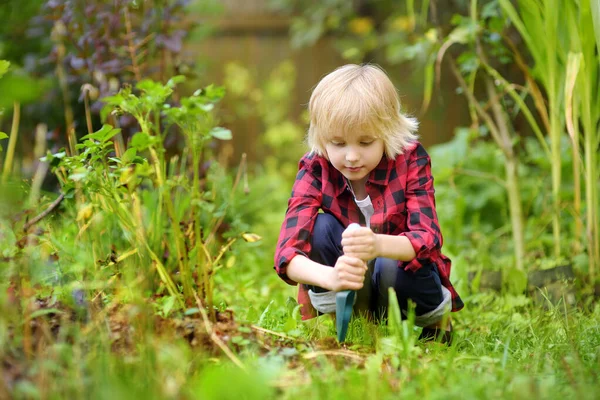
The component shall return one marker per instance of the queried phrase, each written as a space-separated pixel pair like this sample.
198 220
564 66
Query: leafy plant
573 66
136 190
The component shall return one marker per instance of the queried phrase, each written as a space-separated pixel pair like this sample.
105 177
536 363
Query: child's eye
339 144
366 143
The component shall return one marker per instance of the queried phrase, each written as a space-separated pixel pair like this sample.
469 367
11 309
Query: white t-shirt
366 207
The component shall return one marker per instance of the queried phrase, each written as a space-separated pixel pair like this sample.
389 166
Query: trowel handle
344 301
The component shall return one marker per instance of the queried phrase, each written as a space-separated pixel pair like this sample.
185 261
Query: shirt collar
379 176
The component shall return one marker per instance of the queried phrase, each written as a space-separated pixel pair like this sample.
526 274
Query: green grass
505 347
128 342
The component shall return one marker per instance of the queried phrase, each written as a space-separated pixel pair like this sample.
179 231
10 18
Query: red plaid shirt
402 194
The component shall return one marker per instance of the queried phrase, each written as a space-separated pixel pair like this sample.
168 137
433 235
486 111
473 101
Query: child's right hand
348 273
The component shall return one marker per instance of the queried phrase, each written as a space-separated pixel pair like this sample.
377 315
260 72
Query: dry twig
215 338
47 211
341 353
281 335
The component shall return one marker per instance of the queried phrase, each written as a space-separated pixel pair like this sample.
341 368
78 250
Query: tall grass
552 30
539 24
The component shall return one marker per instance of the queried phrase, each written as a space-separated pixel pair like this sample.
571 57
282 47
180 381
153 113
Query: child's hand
361 243
348 273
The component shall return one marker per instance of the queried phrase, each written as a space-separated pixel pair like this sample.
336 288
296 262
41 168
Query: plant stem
165 198
88 114
511 166
516 214
68 110
12 141
591 193
42 167
571 119
131 47
118 139
500 133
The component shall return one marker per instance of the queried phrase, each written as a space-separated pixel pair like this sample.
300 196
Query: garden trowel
344 301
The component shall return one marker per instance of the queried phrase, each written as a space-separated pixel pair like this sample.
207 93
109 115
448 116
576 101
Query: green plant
130 192
567 30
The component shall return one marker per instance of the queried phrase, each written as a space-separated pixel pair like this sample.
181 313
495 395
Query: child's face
355 156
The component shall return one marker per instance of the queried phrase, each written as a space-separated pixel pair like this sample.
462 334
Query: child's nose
352 156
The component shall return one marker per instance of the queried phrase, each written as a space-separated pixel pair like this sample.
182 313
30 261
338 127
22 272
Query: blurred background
148 149
244 45
514 149
493 114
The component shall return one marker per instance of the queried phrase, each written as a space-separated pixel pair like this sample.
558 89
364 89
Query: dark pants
422 287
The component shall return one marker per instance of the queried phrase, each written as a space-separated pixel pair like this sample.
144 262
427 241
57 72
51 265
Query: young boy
365 166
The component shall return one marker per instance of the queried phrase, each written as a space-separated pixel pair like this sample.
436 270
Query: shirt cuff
285 257
422 252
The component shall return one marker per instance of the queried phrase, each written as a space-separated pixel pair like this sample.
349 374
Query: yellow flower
402 24
431 35
361 26
85 212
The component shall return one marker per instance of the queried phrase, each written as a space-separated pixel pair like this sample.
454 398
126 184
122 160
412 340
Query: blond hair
355 99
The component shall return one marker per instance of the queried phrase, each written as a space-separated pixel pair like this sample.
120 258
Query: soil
127 323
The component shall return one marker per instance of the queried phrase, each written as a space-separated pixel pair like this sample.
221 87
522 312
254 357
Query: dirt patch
125 326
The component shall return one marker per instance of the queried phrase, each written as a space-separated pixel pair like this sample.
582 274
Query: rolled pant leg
423 287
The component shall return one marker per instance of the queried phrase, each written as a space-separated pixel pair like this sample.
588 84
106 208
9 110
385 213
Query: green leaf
595 6
44 311
213 93
54 159
463 33
141 141
21 88
428 83
515 280
177 79
4 65
3 136
220 133
103 134
168 305
129 155
79 174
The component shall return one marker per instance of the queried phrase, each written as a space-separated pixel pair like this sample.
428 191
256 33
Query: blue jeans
423 287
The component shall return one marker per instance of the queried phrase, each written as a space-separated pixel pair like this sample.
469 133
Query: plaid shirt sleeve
423 227
300 217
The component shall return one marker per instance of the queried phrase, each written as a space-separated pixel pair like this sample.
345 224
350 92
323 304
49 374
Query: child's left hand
361 243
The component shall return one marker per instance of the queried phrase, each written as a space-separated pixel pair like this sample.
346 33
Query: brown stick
47 211
131 47
270 332
215 338
341 353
